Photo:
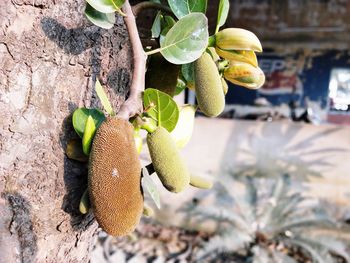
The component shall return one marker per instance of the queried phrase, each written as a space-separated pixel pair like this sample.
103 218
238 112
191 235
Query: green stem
212 41
148 125
222 65
154 51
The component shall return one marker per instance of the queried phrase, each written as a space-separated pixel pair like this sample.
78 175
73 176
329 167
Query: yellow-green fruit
209 94
115 178
84 205
200 182
167 161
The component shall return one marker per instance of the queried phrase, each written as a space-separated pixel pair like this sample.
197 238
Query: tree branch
138 8
133 104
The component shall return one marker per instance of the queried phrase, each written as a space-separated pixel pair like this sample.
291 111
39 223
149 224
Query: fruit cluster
238 64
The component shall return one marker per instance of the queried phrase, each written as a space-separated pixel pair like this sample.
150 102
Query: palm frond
221 215
224 243
317 253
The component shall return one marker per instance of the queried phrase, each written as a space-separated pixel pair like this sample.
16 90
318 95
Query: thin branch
138 8
133 104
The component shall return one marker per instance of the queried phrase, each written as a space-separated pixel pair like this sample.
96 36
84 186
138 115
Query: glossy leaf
180 86
186 40
107 6
187 71
156 27
103 20
74 151
166 24
151 187
184 127
89 133
224 7
103 98
185 7
80 117
161 108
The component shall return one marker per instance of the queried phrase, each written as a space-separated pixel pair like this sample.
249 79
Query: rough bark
50 56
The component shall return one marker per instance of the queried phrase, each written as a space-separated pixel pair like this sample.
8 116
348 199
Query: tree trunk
50 56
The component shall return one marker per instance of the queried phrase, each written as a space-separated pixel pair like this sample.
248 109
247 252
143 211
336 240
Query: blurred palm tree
265 221
275 151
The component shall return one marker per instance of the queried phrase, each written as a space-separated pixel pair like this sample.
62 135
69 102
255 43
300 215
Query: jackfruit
114 179
167 161
209 91
200 182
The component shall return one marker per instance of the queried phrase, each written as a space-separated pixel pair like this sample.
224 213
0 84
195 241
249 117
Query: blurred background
279 157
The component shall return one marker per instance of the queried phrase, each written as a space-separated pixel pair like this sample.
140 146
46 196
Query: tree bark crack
8 49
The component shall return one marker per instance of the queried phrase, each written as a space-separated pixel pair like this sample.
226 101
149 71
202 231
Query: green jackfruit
167 161
209 91
200 182
114 180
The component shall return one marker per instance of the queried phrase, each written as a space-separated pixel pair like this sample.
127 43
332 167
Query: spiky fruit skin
167 162
115 178
209 93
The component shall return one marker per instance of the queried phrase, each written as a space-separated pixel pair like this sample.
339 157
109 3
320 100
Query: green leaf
168 21
187 71
103 20
103 98
89 133
186 40
180 86
151 187
107 6
166 24
185 7
162 108
80 117
156 27
224 7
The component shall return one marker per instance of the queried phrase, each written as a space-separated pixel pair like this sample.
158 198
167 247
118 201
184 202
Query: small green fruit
167 161
200 182
84 205
211 99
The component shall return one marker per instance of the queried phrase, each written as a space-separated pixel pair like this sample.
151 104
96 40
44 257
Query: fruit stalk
133 104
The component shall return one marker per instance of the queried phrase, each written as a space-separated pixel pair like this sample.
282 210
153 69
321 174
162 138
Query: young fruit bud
244 74
247 56
200 182
84 205
148 211
167 162
211 99
237 39
114 179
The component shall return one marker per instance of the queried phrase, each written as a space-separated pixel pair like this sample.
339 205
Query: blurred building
306 55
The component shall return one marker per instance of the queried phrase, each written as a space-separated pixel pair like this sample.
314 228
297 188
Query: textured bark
50 56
